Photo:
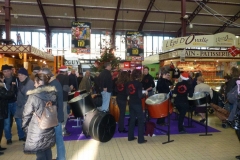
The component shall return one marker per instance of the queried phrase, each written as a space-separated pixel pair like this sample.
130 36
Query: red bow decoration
233 51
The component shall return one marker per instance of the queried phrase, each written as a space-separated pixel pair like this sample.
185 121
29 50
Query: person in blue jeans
61 152
11 82
106 86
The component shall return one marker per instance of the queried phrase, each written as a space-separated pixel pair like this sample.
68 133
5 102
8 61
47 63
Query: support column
7 9
62 60
25 61
183 13
55 63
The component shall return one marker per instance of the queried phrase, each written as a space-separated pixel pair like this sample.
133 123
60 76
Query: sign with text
72 62
196 53
81 32
134 43
218 40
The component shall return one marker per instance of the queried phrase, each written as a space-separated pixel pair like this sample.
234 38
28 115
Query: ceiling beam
193 15
151 3
47 28
115 22
228 23
75 10
112 8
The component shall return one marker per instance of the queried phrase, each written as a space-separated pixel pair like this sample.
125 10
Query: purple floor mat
76 133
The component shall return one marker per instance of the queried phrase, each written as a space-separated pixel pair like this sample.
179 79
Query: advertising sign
134 43
81 32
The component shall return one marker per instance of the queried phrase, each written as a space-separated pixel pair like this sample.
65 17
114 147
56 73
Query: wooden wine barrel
114 109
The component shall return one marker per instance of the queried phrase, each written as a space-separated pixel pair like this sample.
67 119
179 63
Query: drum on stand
113 108
158 105
99 125
81 104
71 95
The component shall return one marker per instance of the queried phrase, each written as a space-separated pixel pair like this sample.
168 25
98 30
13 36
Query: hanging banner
81 32
134 43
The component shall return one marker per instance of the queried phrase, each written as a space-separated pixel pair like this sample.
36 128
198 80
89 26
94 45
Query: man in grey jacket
25 85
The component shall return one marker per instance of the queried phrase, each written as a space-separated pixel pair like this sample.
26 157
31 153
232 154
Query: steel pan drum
99 125
81 104
158 105
71 95
199 98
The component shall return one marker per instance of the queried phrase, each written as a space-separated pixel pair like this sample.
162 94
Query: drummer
121 85
163 86
134 90
148 82
181 93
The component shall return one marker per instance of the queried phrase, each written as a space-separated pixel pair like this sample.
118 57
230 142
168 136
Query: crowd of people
22 94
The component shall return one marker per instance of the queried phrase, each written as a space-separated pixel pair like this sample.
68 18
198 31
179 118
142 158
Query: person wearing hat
4 96
181 93
35 71
25 85
63 78
11 82
61 152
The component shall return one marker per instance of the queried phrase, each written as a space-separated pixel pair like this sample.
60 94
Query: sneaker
9 141
22 139
1 153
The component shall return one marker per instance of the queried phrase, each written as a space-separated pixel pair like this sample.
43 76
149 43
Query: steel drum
99 125
158 105
199 98
71 95
81 104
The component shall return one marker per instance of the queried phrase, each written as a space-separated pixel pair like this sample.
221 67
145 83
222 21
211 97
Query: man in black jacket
9 81
106 84
148 82
163 86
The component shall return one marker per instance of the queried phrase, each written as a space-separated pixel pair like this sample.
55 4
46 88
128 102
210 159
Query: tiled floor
223 145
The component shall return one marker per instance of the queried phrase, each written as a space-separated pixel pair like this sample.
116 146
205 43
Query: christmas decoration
107 55
233 51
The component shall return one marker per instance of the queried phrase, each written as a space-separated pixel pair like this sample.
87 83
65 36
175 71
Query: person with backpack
39 141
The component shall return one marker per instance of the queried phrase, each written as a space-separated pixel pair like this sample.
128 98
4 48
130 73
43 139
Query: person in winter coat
121 86
39 141
5 95
134 90
182 91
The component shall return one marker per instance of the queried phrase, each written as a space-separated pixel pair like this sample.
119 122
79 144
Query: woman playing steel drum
134 90
121 86
182 92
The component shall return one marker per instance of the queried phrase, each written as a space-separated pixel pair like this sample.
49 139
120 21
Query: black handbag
48 118
97 100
